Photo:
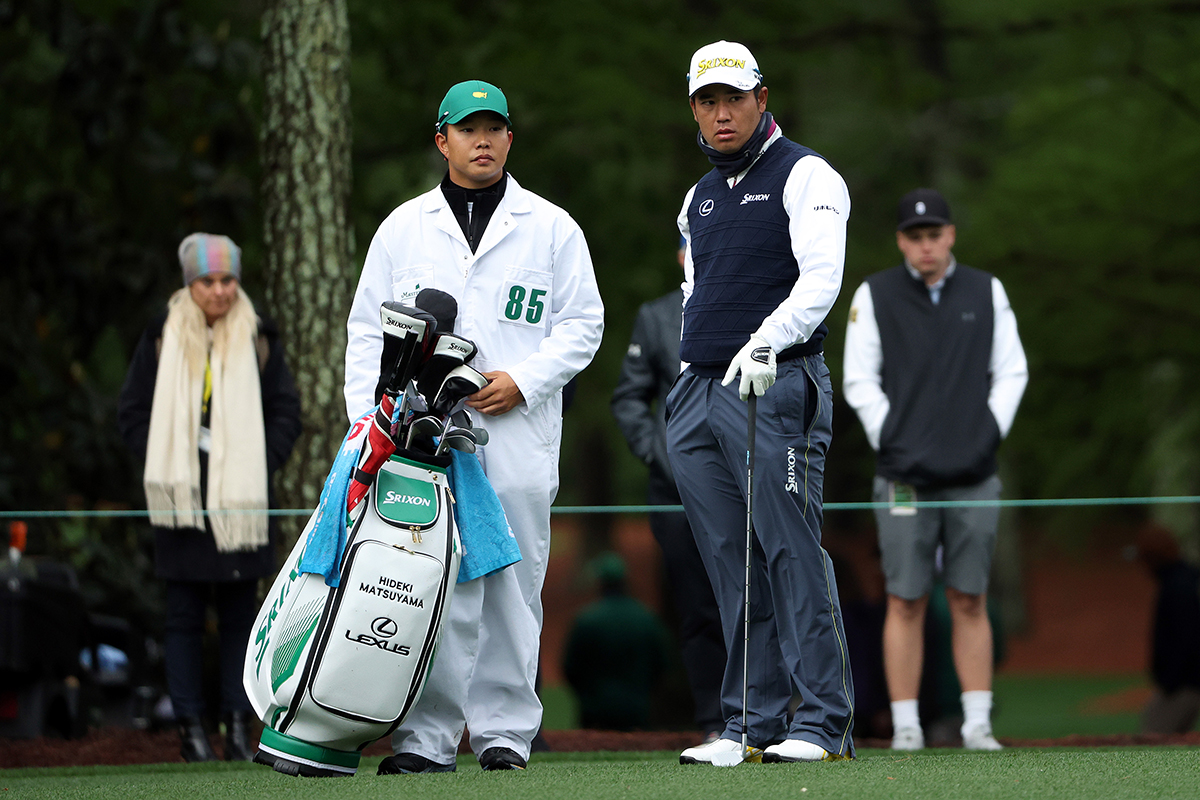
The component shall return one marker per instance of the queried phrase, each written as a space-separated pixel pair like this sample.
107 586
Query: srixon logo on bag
405 501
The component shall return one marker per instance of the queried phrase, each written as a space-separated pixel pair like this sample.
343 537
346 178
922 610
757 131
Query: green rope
648 509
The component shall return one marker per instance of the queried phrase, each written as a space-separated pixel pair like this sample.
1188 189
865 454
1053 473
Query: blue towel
327 539
488 542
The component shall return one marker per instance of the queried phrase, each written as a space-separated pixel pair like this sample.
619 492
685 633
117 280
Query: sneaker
908 739
408 763
500 758
980 738
795 750
720 753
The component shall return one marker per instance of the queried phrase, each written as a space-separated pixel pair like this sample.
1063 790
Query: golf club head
413 402
460 382
459 439
441 305
449 351
462 419
421 433
406 332
727 759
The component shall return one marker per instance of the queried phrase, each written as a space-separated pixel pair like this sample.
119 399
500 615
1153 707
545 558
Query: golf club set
425 365
424 383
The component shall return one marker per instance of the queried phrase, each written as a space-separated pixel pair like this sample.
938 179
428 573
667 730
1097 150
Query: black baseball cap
922 207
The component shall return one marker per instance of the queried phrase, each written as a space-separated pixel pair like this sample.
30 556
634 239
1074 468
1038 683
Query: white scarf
237 458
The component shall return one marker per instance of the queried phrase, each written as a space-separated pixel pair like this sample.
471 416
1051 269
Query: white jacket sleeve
818 206
863 366
576 321
1008 367
364 335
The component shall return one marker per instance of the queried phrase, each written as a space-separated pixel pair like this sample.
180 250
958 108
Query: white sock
977 709
904 714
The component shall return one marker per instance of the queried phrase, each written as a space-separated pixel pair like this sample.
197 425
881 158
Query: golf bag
331 669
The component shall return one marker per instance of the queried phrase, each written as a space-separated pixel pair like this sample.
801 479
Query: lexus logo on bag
383 627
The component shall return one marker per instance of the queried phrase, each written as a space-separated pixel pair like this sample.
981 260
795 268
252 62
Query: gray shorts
909 538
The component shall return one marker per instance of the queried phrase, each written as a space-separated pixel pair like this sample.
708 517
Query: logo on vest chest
754 198
706 207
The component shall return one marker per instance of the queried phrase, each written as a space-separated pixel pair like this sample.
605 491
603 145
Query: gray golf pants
796 638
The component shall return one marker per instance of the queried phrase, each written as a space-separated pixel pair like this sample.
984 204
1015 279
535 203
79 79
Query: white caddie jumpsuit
528 299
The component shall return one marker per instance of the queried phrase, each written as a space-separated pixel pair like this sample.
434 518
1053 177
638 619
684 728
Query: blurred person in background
935 370
210 407
1175 640
615 654
650 368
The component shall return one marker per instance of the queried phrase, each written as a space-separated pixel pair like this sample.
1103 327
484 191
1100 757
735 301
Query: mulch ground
121 746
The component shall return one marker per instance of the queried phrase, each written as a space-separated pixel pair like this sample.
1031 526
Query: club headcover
460 382
449 351
406 333
443 306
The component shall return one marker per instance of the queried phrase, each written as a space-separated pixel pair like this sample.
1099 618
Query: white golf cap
724 62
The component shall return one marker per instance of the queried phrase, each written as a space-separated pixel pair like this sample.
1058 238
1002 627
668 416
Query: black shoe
193 740
408 763
237 737
500 758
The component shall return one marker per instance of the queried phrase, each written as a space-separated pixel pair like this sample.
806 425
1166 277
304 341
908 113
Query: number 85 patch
525 300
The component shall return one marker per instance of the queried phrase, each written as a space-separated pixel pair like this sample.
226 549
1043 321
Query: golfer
766 240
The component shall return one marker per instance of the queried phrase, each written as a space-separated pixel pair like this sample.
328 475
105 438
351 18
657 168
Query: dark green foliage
124 127
1065 136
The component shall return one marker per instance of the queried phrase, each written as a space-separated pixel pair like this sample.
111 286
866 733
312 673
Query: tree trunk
306 190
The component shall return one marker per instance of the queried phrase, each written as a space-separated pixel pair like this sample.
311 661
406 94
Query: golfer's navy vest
744 266
939 431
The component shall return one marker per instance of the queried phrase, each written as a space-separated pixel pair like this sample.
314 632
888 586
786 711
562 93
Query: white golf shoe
720 753
980 738
908 739
795 750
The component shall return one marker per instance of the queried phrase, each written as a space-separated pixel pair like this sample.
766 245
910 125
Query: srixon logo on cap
712 63
920 207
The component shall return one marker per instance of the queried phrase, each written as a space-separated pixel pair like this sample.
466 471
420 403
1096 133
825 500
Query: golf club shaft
751 419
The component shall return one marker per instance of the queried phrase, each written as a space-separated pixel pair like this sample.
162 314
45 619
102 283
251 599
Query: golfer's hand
756 362
498 397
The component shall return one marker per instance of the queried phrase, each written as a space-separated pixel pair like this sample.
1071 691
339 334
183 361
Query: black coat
649 370
191 554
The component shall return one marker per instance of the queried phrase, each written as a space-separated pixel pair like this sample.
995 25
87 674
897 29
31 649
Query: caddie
766 242
520 270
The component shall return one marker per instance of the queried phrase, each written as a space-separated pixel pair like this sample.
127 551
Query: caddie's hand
501 395
756 362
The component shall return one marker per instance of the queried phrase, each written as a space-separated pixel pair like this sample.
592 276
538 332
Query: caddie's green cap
465 98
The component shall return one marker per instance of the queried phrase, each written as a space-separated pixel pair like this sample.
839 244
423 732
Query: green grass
1027 706
1112 774
1050 707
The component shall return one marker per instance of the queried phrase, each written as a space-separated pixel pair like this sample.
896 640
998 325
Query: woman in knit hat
210 406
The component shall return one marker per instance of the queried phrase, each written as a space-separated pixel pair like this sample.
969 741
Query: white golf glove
756 362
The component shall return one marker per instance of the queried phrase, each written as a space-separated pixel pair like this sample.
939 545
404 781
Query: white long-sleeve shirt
863 364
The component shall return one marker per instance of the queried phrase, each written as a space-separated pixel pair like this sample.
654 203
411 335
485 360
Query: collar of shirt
935 291
774 137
